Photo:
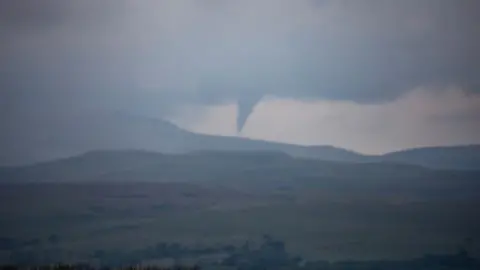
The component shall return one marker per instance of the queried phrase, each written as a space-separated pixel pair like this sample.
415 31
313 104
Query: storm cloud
152 56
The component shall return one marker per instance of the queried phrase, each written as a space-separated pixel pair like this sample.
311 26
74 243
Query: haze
240 134
303 72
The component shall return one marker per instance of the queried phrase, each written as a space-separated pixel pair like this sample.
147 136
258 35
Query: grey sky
153 57
421 118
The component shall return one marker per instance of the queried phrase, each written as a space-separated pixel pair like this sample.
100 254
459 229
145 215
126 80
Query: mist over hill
61 138
248 167
450 157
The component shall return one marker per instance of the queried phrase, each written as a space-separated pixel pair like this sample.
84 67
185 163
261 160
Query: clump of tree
270 255
459 261
161 250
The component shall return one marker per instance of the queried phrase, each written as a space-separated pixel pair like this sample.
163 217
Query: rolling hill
104 200
62 138
143 166
449 157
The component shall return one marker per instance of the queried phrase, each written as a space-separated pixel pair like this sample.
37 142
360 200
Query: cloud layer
151 56
354 50
421 118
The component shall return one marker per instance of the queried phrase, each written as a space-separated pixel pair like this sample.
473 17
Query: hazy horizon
365 75
104 107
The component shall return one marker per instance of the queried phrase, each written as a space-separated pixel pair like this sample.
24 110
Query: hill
61 138
125 201
204 166
449 157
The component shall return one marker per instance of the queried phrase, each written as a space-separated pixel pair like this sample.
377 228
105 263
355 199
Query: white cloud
420 118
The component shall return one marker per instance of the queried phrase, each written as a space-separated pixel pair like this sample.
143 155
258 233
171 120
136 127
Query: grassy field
315 222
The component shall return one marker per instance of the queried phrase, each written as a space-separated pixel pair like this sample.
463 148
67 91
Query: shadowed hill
450 157
142 166
60 138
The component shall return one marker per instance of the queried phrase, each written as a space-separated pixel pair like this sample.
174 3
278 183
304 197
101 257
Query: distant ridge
116 131
143 166
444 157
119 131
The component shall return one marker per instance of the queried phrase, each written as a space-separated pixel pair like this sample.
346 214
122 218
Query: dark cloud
21 15
152 55
24 14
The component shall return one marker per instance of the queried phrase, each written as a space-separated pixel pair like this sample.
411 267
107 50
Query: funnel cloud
245 108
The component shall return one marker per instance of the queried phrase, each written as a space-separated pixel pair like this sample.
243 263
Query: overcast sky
368 75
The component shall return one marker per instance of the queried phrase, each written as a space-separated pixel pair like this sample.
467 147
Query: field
314 223
128 207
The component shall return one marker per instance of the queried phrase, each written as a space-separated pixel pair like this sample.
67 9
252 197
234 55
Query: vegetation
270 254
149 209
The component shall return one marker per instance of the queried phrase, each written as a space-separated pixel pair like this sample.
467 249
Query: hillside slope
62 138
59 138
142 166
450 157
